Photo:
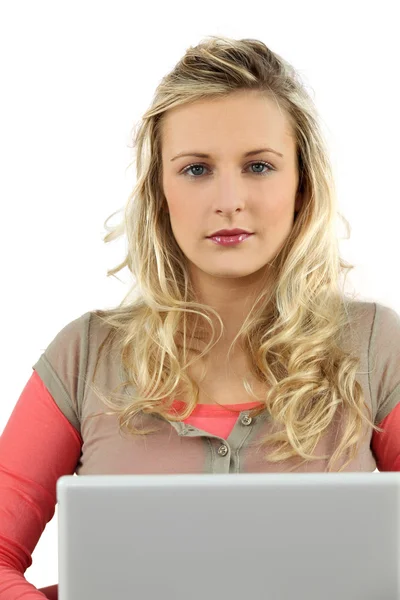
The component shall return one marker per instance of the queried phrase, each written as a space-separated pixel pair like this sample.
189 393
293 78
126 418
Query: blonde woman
239 350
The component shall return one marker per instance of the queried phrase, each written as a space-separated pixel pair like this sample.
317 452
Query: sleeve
62 367
40 443
385 387
386 444
37 446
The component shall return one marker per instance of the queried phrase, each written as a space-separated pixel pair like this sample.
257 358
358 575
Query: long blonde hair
292 333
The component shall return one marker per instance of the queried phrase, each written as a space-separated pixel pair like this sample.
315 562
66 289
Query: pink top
215 419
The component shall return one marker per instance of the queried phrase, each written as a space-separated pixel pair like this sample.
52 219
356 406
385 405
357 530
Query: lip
229 232
230 240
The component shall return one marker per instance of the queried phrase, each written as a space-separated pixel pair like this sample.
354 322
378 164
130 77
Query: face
227 189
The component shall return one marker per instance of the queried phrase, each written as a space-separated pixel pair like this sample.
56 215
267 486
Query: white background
76 76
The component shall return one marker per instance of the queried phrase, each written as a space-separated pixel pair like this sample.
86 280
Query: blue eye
199 165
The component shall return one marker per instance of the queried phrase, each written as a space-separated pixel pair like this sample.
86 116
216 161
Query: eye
201 166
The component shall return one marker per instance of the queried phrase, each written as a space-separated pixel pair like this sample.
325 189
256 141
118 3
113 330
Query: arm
386 445
37 447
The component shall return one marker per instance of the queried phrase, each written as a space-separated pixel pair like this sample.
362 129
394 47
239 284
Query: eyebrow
250 153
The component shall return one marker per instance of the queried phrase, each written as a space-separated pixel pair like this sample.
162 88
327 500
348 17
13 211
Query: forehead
240 119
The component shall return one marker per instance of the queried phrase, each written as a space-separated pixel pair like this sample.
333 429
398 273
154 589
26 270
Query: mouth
230 240
229 233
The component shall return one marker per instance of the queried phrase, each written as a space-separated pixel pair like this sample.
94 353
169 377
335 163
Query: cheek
173 195
275 214
181 212
184 210
185 220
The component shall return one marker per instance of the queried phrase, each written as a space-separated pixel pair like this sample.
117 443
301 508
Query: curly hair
292 333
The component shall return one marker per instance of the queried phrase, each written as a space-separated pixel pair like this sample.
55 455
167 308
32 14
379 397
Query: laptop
284 536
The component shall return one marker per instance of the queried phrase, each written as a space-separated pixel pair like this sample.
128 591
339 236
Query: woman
240 352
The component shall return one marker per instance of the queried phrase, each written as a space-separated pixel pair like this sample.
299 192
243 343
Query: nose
229 195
